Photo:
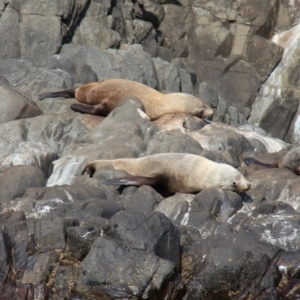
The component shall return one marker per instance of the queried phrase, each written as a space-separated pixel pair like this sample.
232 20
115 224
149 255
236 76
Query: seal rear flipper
252 161
99 109
132 180
65 93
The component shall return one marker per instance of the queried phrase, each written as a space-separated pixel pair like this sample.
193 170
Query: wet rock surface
67 236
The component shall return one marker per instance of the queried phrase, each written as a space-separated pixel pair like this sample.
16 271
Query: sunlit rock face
275 109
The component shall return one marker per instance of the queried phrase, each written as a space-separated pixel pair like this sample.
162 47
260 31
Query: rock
39 36
49 233
94 30
126 282
218 42
15 180
101 62
168 76
136 65
269 104
256 50
123 131
141 29
242 141
172 141
31 80
208 94
242 252
33 154
64 275
9 31
228 157
143 199
152 12
39 267
79 238
186 82
80 72
151 236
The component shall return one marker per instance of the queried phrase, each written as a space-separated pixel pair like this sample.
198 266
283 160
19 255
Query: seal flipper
132 180
99 109
159 182
65 93
252 161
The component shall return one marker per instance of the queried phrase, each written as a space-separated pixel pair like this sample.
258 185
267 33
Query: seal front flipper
132 180
65 93
99 110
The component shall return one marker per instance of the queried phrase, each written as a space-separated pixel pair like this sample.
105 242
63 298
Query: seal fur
100 98
173 172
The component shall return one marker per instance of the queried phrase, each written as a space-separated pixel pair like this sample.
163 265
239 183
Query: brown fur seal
290 160
102 97
173 172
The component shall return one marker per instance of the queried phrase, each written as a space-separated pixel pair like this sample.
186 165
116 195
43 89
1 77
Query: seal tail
65 93
252 161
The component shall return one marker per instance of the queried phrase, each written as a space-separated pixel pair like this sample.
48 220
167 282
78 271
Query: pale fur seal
102 97
173 172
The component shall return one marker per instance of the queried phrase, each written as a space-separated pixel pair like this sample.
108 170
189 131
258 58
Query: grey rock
221 204
94 33
228 156
80 72
119 135
40 36
186 82
258 263
108 282
15 180
257 50
9 31
172 141
150 44
280 108
101 62
141 29
168 76
49 233
136 65
39 267
143 199
31 80
208 94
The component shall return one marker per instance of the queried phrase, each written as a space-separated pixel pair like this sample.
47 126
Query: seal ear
89 171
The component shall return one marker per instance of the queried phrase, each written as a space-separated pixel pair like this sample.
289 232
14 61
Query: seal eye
234 184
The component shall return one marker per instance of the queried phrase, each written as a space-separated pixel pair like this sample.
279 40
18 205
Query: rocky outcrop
66 236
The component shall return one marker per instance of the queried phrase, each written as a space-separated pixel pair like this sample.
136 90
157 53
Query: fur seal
290 160
169 173
102 97
180 121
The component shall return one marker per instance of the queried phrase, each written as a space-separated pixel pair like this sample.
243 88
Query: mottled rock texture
67 236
